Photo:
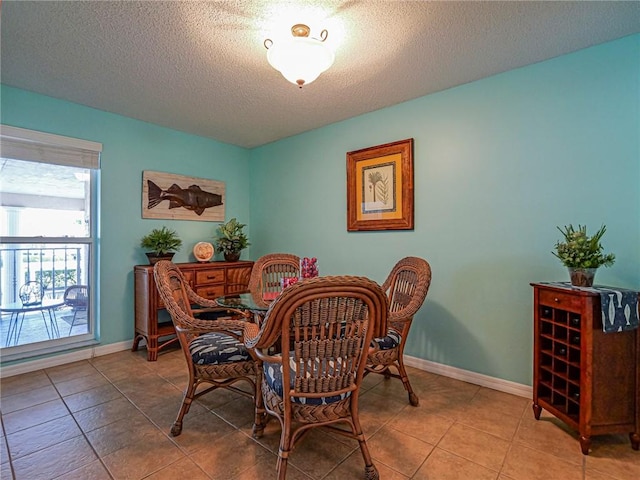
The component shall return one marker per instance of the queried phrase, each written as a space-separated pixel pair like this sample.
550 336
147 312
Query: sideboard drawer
563 301
208 277
211 292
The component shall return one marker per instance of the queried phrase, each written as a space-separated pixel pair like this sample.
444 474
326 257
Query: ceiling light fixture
300 59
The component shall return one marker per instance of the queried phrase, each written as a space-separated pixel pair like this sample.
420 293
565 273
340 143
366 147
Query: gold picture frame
380 187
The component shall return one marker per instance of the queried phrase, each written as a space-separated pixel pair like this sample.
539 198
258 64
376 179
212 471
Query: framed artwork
176 197
380 187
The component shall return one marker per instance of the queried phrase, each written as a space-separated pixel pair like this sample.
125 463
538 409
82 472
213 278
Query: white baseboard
426 365
470 377
54 361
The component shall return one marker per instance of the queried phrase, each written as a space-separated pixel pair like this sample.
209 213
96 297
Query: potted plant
231 240
582 254
162 243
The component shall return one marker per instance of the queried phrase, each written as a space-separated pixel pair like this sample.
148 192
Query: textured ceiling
201 67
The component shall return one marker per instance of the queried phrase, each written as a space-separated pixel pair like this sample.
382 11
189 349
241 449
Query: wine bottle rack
587 378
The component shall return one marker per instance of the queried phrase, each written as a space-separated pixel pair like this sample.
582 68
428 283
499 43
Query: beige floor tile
4 453
469 443
471 427
419 423
148 396
318 453
203 429
549 435
5 471
524 463
81 384
164 414
105 413
376 410
613 455
70 371
353 468
31 416
229 456
265 469
29 398
596 475
121 434
91 397
183 468
239 411
42 436
442 465
55 460
398 450
140 459
490 420
92 471
23 383
448 404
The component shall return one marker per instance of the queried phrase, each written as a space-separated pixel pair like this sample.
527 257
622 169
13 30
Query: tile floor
109 418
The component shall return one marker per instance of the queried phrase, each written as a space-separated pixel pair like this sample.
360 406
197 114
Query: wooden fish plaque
177 197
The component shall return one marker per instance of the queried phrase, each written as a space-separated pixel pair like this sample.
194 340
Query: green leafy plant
231 238
161 241
581 251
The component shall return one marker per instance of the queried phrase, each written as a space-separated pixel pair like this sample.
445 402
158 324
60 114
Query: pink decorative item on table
309 267
287 281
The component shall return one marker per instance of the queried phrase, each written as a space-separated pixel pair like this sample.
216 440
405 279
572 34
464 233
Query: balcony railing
55 268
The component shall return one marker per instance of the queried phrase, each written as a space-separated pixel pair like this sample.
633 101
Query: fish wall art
177 197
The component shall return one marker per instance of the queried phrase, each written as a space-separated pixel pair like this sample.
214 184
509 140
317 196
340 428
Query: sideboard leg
585 444
635 440
537 410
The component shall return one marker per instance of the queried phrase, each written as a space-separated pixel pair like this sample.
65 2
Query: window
48 219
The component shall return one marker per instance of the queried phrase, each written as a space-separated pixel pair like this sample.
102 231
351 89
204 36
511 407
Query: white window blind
29 145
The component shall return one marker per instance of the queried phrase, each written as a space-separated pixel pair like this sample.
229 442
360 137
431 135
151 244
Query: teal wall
129 147
499 163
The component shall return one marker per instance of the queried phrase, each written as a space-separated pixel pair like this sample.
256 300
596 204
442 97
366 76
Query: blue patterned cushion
273 376
392 340
217 348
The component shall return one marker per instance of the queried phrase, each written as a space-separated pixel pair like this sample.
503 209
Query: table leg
53 320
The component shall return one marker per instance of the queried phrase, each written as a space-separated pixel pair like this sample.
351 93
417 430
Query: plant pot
582 277
232 256
155 258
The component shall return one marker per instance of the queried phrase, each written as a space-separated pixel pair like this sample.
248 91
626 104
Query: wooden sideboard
209 280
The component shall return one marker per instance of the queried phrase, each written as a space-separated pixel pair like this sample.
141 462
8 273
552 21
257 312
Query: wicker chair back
323 326
269 269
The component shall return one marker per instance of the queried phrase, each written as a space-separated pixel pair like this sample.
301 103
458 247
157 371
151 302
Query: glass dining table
256 304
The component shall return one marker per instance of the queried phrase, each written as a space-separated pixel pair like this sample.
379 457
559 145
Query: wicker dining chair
214 349
269 269
324 326
406 288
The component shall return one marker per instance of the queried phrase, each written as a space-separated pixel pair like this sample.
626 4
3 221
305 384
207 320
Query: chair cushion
217 348
392 340
273 377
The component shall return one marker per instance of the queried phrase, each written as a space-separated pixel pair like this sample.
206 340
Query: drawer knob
557 300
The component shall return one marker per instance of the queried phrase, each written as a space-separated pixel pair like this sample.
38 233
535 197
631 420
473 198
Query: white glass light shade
301 59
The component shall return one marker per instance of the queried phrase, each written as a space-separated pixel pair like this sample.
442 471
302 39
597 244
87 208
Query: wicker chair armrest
399 317
192 324
204 302
251 332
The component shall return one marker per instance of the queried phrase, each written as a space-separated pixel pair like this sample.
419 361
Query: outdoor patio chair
76 297
31 293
